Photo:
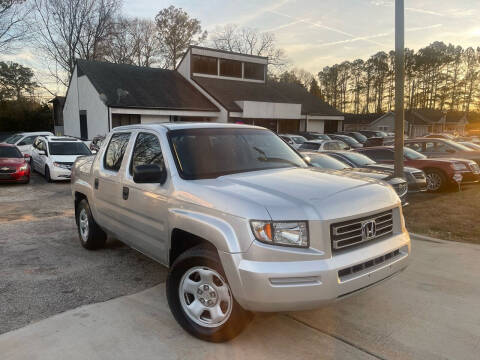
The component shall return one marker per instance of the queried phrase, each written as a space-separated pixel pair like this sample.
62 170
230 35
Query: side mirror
149 174
42 153
26 156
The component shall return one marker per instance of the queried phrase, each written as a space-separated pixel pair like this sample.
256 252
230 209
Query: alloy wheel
434 181
83 224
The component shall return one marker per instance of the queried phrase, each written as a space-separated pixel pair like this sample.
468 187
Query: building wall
386 123
316 126
147 119
184 67
81 95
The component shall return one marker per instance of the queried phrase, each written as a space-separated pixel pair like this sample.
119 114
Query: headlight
63 166
284 233
401 189
459 166
23 167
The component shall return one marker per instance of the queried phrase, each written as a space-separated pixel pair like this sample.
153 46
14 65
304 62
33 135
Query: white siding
184 67
71 116
270 110
81 95
316 126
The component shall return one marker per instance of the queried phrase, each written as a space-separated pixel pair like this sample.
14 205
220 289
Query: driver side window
147 151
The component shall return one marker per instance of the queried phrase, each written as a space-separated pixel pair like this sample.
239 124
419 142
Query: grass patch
449 216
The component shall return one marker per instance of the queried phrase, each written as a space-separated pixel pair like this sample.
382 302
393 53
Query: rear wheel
200 297
91 235
436 180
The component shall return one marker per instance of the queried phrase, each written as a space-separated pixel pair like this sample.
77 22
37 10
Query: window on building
115 151
124 119
147 151
204 65
230 68
254 71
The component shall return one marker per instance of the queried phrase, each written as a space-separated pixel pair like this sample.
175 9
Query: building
208 85
57 114
418 122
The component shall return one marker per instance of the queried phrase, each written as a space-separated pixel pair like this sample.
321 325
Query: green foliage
15 80
24 115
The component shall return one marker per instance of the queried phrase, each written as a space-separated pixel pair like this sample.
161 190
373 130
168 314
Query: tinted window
253 71
204 65
13 139
412 154
147 151
115 151
9 152
230 68
327 162
358 159
379 155
27 141
309 146
209 153
68 148
298 139
415 146
124 119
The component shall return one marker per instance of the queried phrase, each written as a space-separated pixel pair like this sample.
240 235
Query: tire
436 180
91 236
191 270
47 174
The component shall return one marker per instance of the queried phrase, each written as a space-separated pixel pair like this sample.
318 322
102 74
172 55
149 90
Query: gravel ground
43 268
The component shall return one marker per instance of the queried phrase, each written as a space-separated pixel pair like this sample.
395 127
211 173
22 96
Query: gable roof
121 85
227 92
362 119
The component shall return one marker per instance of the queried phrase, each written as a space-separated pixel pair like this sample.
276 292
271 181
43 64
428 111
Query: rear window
10 152
13 139
68 148
310 146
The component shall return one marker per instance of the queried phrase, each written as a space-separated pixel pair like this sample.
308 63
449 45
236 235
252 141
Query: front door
146 205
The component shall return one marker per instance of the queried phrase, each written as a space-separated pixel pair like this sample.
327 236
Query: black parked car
416 178
350 141
356 135
324 161
372 133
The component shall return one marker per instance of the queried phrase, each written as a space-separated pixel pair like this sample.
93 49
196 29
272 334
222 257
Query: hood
64 158
390 168
11 162
371 173
292 194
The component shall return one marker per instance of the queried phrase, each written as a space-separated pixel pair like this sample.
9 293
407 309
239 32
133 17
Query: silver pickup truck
242 222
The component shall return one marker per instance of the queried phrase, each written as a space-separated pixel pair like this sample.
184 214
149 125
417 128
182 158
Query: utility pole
399 84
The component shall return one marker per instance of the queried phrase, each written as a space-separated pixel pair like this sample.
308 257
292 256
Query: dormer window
204 65
254 71
230 68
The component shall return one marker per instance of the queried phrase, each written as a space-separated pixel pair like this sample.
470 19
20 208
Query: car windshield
348 139
358 137
327 162
13 139
358 159
68 148
10 152
457 146
471 145
210 152
412 154
298 139
320 137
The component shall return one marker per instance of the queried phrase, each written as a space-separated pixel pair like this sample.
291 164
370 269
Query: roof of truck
185 125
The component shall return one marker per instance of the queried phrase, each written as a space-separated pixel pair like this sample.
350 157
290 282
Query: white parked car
293 140
322 145
24 141
53 156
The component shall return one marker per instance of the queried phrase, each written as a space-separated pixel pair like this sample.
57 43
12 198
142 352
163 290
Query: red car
14 167
440 172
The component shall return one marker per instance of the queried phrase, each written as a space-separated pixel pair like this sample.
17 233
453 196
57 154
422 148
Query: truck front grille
367 264
353 232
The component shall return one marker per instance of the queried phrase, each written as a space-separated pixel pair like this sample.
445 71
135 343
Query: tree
133 41
176 31
12 23
249 41
69 29
15 80
315 89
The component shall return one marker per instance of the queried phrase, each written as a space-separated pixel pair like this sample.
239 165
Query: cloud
280 27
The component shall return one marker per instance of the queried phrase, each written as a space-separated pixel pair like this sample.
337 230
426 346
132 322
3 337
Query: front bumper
417 185
19 176
58 173
299 285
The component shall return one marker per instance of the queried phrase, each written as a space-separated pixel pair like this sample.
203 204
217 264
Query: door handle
96 183
125 193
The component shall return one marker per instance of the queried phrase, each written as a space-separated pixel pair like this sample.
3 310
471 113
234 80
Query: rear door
146 204
108 184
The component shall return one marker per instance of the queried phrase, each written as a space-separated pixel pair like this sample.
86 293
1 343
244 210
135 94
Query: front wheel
200 298
47 174
91 235
436 180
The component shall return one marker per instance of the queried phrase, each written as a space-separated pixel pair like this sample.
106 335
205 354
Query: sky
317 33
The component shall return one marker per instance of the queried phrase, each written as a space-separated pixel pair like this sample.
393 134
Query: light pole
399 84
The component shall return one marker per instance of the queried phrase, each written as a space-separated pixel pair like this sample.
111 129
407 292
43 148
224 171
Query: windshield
358 159
13 139
320 137
457 146
298 139
10 152
209 153
359 137
471 145
349 140
68 148
412 154
326 162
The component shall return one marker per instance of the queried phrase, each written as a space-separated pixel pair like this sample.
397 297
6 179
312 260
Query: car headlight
401 188
459 166
63 166
284 233
23 167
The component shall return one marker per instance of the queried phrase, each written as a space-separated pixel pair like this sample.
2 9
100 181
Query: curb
431 239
